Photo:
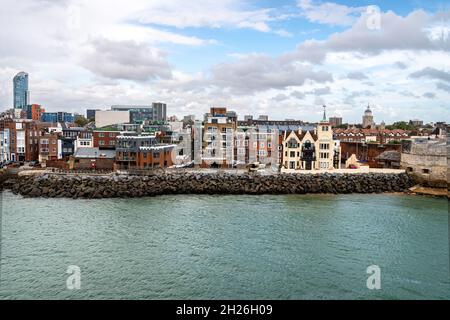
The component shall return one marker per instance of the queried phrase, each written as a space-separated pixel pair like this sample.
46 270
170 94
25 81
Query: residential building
20 90
158 156
143 152
310 150
371 135
218 138
105 139
84 140
34 112
19 140
335 121
50 147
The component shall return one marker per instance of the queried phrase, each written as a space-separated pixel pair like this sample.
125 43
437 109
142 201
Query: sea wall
57 186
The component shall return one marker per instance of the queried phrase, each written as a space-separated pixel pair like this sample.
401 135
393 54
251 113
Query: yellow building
311 150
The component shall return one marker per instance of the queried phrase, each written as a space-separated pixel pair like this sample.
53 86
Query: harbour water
226 247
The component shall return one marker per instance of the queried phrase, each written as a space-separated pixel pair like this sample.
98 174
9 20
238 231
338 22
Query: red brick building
20 139
154 157
49 145
367 152
105 139
370 135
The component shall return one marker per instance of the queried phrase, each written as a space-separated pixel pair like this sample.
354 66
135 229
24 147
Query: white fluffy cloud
78 58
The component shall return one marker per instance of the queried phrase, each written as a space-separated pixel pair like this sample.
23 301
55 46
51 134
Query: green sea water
225 247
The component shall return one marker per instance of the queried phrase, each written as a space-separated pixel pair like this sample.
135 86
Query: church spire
324 113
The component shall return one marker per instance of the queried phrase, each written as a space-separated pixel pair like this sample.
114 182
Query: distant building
416 123
34 112
111 117
335 121
371 135
140 114
90 113
20 88
263 118
55 117
248 118
159 111
367 119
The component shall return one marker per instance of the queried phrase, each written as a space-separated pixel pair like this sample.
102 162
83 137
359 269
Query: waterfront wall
56 186
427 161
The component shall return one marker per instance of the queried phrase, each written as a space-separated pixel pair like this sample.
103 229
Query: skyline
283 59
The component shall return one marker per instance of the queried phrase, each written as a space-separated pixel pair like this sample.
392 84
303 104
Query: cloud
298 94
329 13
126 60
320 91
431 73
256 72
356 75
206 13
401 65
443 86
396 33
429 95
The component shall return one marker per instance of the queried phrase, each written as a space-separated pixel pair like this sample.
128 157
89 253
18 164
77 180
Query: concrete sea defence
127 186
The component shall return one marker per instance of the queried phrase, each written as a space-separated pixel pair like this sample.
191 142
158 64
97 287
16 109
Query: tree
341 126
400 125
81 121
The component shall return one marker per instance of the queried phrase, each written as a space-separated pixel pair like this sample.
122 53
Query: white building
311 150
108 118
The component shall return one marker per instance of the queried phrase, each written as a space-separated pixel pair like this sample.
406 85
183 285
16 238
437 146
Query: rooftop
94 153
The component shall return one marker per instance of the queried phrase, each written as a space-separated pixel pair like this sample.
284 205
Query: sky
282 58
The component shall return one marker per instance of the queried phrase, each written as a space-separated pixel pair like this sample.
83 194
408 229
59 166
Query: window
111 134
426 171
101 135
292 154
324 146
101 142
324 155
112 143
